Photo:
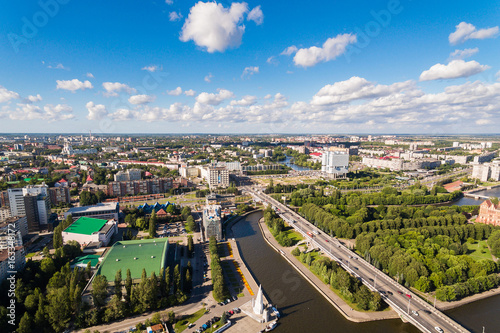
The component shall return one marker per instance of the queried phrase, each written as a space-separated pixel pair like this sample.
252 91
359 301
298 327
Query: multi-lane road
408 305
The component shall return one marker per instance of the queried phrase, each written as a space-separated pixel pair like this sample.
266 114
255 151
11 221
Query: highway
408 305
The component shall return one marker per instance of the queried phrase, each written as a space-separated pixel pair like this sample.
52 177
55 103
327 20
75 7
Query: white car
439 329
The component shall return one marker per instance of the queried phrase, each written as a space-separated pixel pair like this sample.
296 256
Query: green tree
99 290
190 246
128 286
25 324
152 224
185 212
57 238
177 278
191 225
118 284
58 309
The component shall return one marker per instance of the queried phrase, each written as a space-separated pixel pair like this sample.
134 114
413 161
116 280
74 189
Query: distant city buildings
397 164
68 150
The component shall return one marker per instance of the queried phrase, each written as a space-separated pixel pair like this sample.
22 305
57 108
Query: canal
495 192
302 307
293 166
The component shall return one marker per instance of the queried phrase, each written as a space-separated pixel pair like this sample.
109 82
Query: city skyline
252 67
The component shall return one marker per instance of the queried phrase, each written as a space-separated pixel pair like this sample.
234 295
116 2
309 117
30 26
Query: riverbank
341 306
443 306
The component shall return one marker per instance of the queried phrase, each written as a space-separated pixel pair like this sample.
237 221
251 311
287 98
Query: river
495 192
303 308
293 166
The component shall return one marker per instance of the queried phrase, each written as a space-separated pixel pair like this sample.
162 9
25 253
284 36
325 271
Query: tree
166 278
140 223
118 284
190 246
191 225
296 251
177 278
128 286
58 309
152 224
186 212
99 290
57 238
25 324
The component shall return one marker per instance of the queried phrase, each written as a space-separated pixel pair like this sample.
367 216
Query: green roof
94 260
149 254
86 226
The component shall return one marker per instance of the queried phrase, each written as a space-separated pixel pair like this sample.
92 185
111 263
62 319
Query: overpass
408 305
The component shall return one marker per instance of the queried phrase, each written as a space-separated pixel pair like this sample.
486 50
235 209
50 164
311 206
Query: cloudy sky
173 66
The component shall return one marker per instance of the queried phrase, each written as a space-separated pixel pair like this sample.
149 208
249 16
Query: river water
293 166
495 192
303 308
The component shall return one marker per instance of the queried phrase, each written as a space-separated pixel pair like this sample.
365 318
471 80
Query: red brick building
489 213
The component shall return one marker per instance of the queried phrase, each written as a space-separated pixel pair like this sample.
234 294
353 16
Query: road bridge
408 305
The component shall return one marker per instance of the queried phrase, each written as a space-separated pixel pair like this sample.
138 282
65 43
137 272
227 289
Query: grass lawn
181 325
293 235
479 250
29 255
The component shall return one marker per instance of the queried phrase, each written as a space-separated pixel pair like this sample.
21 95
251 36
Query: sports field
86 225
135 255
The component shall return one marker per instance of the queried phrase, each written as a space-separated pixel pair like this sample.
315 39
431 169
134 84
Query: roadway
409 306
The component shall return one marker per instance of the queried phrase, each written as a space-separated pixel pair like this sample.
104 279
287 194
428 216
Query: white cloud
331 49
74 85
152 68
174 16
58 112
454 69
169 2
465 31
272 60
96 111
245 101
289 50
190 92
462 54
214 27
90 75
481 122
356 88
256 15
113 88
176 92
58 66
141 99
33 98
214 99
249 71
208 78
7 95
50 113
268 96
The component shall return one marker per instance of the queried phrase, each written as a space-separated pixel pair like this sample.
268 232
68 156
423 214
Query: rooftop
86 226
94 208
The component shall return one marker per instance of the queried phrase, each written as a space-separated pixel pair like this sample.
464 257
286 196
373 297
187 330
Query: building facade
59 195
212 222
107 210
14 263
489 213
146 186
216 176
335 163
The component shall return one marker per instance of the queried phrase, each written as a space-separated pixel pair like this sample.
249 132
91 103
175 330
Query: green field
293 235
479 251
182 324
135 255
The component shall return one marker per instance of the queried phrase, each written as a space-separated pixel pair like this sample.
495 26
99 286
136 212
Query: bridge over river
409 306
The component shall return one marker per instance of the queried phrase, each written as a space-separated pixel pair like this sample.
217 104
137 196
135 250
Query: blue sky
261 67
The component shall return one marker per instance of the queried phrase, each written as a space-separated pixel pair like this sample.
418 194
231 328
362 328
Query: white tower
258 306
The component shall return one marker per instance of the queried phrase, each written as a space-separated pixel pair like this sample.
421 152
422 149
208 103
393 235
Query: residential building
4 213
59 195
215 176
107 210
86 230
13 263
16 223
335 163
212 223
4 199
128 175
33 202
484 157
189 172
146 186
486 171
489 213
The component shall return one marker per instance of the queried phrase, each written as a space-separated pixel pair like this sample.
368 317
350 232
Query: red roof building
89 179
161 213
489 213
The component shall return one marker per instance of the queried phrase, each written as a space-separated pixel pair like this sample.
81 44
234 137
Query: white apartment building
128 175
215 176
486 171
